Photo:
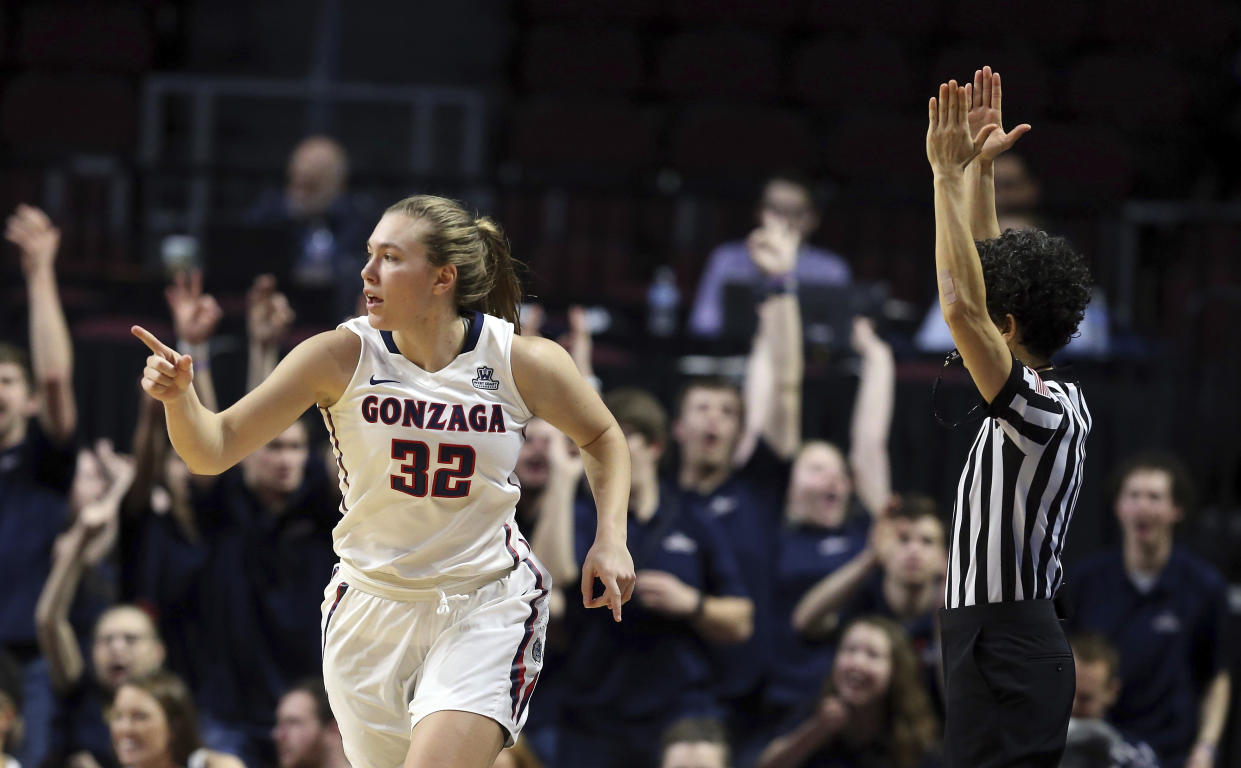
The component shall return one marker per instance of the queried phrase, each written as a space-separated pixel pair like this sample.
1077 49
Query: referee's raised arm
962 294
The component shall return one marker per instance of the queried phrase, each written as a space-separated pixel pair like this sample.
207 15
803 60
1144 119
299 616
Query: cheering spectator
38 417
306 734
873 711
1092 741
788 199
153 723
899 575
828 514
253 545
695 743
689 596
325 221
735 450
1164 611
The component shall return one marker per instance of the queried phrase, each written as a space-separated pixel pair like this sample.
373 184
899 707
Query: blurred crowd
787 599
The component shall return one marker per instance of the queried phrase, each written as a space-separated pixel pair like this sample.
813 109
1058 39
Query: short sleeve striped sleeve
1026 409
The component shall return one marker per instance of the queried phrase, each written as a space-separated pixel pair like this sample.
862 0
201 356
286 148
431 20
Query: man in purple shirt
785 197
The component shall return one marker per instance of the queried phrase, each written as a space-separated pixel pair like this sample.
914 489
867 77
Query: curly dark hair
1041 281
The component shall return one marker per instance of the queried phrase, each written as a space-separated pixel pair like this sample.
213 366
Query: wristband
700 607
781 285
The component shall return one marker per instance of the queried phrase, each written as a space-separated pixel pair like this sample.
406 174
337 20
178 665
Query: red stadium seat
1079 164
581 60
1131 91
113 37
600 135
69 112
719 63
576 9
1198 28
761 139
906 19
826 69
1053 23
879 150
750 13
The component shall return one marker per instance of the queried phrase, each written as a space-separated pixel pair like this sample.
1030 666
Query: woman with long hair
434 620
874 711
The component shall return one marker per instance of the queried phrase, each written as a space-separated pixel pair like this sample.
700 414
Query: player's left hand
664 593
949 145
611 564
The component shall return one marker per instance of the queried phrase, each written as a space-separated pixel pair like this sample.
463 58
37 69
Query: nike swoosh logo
375 381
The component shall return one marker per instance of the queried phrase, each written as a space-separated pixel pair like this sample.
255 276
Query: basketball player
1011 301
434 620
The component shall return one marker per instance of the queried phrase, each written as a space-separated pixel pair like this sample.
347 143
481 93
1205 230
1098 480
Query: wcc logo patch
536 652
485 380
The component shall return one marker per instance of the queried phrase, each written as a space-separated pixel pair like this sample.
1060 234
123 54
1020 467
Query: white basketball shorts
388 663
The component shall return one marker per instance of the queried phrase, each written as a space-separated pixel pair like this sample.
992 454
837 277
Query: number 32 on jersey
451 479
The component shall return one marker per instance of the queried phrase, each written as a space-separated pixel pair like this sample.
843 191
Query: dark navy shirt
840 755
649 667
1169 641
870 600
35 476
246 599
808 553
81 721
749 508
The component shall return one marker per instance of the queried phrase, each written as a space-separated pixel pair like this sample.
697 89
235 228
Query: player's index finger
153 344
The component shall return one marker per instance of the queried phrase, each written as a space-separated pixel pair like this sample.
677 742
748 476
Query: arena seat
79 112
601 136
100 37
824 66
718 63
587 60
708 136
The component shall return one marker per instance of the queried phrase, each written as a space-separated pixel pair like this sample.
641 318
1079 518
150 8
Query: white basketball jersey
426 460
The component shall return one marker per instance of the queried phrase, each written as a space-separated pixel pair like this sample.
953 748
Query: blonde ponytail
487 278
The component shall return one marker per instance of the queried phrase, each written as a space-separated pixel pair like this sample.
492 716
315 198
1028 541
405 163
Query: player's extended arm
51 350
872 418
555 391
316 371
962 292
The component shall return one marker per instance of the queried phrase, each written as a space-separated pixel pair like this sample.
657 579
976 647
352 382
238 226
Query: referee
1011 301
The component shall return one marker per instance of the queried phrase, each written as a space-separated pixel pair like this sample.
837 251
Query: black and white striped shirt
1017 492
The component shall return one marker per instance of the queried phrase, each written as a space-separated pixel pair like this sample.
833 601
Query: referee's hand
611 564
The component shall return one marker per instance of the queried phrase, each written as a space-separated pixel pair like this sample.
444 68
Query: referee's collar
1061 373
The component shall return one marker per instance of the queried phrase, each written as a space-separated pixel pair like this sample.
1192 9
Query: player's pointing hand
168 374
611 564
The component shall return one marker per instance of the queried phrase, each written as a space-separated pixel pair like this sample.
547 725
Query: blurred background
618 143
613 139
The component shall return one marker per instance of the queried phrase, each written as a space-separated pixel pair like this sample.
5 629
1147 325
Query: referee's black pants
1009 682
